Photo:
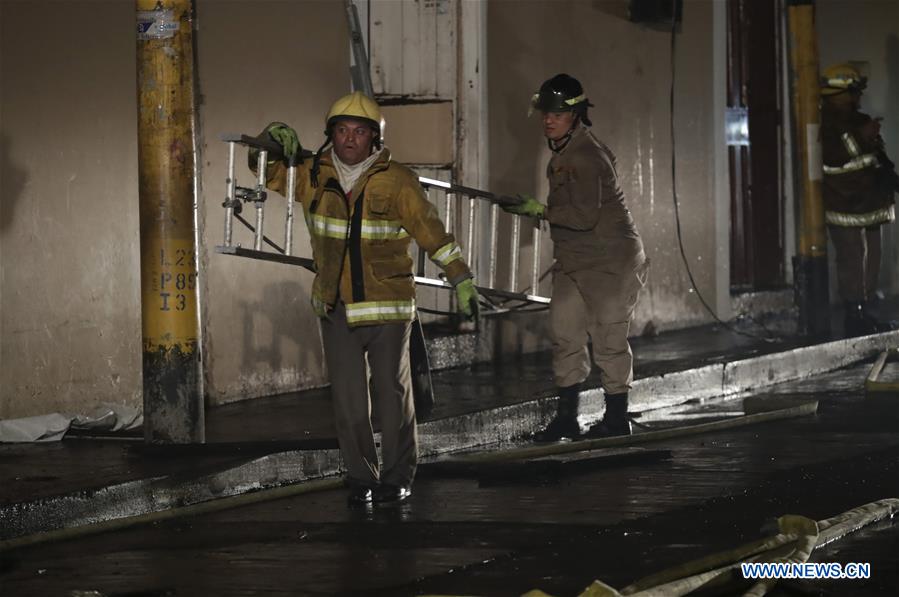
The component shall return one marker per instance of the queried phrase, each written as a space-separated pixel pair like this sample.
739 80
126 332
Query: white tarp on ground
52 427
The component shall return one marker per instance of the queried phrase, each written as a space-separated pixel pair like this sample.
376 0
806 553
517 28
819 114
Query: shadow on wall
516 172
614 8
517 124
12 181
282 302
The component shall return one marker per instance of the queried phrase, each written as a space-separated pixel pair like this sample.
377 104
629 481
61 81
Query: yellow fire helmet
842 77
356 105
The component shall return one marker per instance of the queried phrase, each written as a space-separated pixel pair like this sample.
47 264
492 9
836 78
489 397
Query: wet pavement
456 536
307 415
241 431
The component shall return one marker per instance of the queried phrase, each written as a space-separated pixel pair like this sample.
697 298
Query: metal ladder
236 196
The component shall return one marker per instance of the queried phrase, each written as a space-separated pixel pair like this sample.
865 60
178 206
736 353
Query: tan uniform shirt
590 224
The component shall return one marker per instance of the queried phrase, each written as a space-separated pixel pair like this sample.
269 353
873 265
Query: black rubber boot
388 494
615 421
874 322
858 322
359 496
565 422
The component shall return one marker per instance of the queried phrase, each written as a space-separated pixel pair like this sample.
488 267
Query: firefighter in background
362 211
599 265
859 183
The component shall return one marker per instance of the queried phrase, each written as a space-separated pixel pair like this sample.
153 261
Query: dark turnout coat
857 187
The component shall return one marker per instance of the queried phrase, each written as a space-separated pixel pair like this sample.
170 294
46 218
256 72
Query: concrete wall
625 70
69 297
69 255
868 31
262 337
69 250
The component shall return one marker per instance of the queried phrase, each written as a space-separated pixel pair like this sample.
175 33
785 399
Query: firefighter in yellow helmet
362 211
858 191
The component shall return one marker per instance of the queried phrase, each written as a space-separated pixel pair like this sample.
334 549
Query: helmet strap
559 145
316 161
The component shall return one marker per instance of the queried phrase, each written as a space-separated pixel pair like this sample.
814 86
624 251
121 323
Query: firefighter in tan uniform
858 189
362 211
600 264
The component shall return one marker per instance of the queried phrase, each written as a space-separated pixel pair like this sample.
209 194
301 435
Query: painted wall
69 249
69 297
868 31
625 69
262 336
69 255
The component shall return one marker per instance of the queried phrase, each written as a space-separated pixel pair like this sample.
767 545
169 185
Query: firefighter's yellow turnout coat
360 241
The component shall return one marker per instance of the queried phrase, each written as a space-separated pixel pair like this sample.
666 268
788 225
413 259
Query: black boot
614 421
565 422
874 322
858 322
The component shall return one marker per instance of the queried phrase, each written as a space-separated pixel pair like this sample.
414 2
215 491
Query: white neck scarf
348 175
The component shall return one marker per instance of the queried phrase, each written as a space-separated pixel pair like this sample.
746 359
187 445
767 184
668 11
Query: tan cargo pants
387 347
598 306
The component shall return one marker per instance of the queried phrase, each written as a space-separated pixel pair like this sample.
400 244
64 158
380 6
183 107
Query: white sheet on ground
52 427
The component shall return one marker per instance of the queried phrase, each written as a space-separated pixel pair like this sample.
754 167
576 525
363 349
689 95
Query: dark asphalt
241 431
455 536
307 415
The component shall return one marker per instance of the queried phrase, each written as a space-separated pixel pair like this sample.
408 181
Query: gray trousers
387 347
598 306
858 261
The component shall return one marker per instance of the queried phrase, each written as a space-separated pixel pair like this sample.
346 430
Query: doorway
756 181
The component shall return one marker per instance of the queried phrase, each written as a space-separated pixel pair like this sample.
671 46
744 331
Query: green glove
320 308
284 136
281 134
528 207
468 298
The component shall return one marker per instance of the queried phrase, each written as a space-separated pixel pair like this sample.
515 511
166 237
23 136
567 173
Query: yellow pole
810 266
173 401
